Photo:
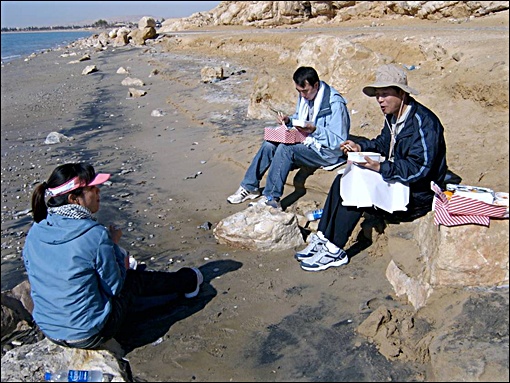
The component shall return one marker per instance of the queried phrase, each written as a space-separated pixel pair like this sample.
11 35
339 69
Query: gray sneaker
242 195
324 259
314 245
267 201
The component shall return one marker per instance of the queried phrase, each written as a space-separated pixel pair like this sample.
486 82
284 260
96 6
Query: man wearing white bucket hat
411 140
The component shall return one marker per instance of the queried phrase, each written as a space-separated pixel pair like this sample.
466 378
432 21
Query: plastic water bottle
314 215
74 376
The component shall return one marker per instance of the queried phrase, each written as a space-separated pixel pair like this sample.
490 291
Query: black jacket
419 155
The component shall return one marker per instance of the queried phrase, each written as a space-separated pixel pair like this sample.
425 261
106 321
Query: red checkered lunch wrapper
283 134
461 210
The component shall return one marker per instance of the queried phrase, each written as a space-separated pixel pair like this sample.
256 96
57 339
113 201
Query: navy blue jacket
419 155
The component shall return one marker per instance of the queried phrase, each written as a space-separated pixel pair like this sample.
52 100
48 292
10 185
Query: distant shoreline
60 30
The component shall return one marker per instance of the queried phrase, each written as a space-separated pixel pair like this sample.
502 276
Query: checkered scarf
72 211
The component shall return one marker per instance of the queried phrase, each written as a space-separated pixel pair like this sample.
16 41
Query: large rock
467 255
29 362
138 36
459 257
260 228
146 22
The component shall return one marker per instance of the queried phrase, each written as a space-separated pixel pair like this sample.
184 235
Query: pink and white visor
75 183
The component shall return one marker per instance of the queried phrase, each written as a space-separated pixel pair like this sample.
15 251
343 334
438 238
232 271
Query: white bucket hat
389 75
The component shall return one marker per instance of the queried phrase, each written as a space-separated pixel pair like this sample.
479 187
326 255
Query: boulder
260 228
29 362
466 256
210 74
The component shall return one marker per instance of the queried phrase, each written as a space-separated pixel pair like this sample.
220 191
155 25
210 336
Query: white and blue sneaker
325 259
315 244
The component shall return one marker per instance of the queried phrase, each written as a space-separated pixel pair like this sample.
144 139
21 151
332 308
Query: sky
21 14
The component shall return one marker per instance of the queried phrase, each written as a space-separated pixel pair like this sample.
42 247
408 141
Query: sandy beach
259 317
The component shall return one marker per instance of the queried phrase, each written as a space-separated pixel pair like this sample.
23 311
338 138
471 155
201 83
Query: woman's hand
115 233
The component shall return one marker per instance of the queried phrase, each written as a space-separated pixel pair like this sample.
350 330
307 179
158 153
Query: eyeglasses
304 91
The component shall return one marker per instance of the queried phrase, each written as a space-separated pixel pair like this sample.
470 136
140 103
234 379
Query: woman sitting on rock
80 279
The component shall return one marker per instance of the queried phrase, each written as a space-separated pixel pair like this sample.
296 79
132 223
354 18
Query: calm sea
17 45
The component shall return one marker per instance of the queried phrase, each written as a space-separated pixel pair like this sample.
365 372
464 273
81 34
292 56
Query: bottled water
74 376
314 215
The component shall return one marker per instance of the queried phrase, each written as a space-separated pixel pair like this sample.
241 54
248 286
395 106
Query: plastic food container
300 123
359 157
501 199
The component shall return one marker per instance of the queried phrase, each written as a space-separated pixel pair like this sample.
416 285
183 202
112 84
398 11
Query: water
18 45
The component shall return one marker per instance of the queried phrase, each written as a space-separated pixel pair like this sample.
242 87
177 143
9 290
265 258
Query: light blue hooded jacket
74 269
333 123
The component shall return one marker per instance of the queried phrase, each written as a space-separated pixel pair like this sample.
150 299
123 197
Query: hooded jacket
419 155
332 123
74 269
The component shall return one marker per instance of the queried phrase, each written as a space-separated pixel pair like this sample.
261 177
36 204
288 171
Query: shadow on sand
143 327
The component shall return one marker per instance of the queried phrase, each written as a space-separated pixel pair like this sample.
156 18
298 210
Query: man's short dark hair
305 73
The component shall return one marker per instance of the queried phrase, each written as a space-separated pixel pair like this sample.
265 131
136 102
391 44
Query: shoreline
59 30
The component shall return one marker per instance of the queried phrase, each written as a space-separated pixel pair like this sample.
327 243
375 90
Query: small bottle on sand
314 215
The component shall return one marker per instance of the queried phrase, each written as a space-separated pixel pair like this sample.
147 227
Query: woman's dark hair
305 73
59 176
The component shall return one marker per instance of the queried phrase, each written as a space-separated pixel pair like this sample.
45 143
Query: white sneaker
325 259
242 195
200 279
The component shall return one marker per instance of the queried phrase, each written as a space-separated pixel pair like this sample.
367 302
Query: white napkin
364 188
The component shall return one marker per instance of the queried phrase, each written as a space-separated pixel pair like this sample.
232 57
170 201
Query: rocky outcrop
287 13
467 256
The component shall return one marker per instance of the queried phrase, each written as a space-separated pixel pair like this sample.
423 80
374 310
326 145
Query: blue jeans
280 159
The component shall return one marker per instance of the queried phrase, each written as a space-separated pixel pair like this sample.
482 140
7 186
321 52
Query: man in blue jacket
327 127
412 140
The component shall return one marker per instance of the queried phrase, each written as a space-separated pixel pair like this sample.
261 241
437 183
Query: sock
332 247
321 236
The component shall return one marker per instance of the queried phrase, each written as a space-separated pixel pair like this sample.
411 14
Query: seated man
328 126
413 143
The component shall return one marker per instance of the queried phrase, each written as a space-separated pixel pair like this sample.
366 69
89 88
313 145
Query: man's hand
370 164
282 119
349 146
309 128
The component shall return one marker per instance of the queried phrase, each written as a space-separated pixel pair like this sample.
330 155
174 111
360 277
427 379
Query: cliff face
285 13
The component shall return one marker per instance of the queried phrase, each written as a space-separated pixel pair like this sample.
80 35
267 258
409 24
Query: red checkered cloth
283 134
461 210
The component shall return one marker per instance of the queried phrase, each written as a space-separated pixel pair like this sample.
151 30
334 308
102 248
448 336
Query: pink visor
75 183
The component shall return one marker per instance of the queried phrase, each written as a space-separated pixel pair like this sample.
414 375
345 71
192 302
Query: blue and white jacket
74 269
333 123
419 154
